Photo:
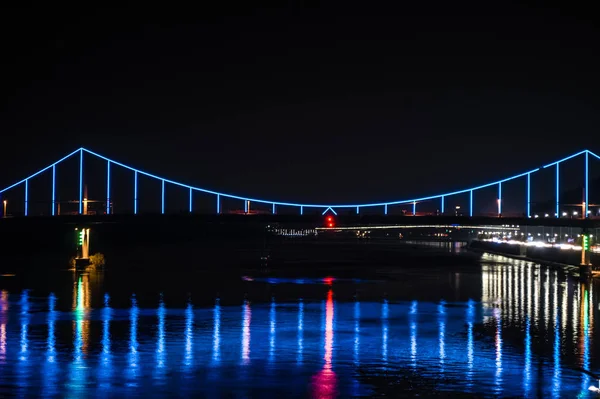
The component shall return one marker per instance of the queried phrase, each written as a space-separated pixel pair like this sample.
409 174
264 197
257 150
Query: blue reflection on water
50 366
216 353
442 335
111 348
470 357
189 336
384 332
272 329
106 366
413 333
527 370
133 343
498 345
300 334
246 333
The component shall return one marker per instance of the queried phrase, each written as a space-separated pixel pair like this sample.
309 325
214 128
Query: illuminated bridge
16 198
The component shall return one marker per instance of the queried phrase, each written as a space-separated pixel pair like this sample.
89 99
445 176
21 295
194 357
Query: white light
536 216
546 215
575 213
564 213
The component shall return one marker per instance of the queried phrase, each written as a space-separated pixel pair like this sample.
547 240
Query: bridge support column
27 198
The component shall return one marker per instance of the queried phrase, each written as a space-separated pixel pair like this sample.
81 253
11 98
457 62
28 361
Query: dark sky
307 101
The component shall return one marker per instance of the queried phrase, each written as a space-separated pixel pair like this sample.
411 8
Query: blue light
133 344
301 210
189 336
26 196
499 198
135 190
216 332
470 357
529 195
442 199
587 180
273 210
190 200
329 209
471 203
384 331
385 209
162 206
414 208
527 371
108 188
323 206
557 189
272 330
357 210
247 317
564 159
80 181
39 171
160 346
300 331
53 188
309 205
219 204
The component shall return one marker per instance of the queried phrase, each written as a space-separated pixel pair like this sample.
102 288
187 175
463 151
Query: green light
80 240
586 243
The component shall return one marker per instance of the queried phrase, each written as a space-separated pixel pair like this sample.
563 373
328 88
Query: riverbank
544 256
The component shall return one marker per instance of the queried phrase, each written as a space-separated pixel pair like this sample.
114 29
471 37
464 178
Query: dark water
504 329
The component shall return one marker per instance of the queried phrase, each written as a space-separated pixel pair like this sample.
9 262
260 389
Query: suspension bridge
382 208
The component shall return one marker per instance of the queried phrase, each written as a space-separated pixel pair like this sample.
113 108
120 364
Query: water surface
504 329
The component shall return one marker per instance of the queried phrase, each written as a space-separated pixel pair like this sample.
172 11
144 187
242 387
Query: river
502 328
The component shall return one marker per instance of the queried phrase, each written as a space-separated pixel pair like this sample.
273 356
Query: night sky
306 101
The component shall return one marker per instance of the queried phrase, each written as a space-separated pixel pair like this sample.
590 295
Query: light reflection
556 378
498 345
547 301
324 383
384 332
442 335
413 334
133 344
51 347
470 319
527 370
105 372
217 332
24 324
356 358
189 335
160 342
3 321
300 331
50 368
246 332
78 375
584 336
272 328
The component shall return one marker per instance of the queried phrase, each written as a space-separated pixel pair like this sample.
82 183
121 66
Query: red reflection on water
324 383
328 280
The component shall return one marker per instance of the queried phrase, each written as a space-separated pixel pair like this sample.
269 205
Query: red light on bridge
329 221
